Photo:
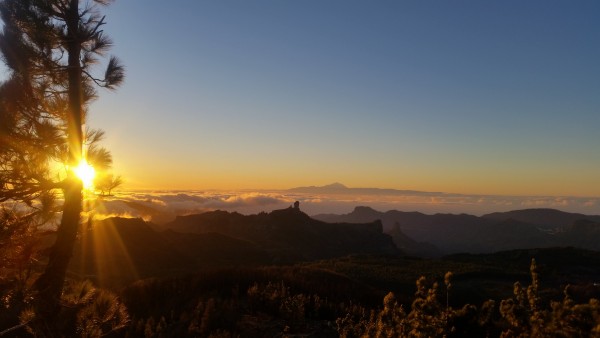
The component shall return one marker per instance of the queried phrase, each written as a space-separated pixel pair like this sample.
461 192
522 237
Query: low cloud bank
163 206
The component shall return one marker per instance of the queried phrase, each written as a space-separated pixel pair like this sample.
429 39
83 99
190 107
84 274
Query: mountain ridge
116 251
543 217
339 188
454 233
291 232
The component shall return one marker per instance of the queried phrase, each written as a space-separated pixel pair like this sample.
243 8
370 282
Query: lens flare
86 173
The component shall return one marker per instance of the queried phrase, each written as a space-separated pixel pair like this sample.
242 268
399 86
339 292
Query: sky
468 97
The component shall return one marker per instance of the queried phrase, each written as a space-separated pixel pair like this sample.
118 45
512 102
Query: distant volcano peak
335 185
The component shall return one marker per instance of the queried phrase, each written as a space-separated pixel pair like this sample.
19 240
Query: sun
86 173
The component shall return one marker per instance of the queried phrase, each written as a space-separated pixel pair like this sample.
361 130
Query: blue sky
464 96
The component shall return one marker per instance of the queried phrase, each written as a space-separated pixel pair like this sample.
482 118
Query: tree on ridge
107 183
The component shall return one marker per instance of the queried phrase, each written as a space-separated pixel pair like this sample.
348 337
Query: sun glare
86 173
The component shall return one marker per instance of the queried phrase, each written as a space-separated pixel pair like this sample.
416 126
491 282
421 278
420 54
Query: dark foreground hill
221 279
477 277
319 299
117 251
451 233
290 235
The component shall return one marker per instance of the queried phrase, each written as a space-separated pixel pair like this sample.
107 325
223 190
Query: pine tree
50 47
107 183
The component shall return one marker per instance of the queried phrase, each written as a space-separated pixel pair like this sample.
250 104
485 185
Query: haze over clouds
162 206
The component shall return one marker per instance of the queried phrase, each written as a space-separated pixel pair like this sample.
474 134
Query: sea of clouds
163 206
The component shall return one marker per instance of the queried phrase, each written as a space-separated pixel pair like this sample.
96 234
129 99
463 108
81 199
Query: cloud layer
162 206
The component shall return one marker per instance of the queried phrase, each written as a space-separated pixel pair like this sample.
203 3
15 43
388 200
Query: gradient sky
475 97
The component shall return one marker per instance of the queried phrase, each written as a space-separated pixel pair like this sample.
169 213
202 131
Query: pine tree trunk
50 284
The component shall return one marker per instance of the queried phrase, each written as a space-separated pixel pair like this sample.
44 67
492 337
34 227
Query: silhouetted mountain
362 214
447 232
467 233
359 214
291 235
545 218
333 187
117 251
338 188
